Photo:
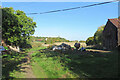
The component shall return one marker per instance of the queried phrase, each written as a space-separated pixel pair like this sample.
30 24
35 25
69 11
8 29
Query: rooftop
116 22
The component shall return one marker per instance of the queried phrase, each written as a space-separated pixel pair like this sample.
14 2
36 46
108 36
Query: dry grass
36 44
70 43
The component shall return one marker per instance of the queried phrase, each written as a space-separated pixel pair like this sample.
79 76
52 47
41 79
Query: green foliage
97 38
90 41
50 40
82 41
49 65
98 35
11 64
16 27
68 65
119 17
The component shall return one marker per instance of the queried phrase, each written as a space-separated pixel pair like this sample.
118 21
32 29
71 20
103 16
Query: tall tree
16 26
98 35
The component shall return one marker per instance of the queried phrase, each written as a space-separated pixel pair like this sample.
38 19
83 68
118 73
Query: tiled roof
116 22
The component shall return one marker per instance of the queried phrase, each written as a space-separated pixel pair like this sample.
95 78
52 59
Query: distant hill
48 40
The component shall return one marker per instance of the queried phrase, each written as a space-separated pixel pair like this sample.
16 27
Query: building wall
110 36
119 37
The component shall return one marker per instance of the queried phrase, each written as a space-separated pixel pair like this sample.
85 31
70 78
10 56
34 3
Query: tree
16 27
119 17
98 35
0 17
90 41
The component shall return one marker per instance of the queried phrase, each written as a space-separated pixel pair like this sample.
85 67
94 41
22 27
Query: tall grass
76 64
11 64
52 67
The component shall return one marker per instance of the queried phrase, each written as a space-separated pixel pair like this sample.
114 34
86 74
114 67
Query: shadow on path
12 62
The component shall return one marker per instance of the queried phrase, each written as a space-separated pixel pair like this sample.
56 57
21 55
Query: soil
28 68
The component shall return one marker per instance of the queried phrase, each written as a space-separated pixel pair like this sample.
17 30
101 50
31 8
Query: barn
111 34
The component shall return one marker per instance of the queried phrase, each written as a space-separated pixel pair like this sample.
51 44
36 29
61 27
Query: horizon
55 37
72 25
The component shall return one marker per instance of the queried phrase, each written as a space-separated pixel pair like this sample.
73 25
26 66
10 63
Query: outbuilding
111 34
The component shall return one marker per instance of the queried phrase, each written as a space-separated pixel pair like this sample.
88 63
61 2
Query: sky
55 0
76 24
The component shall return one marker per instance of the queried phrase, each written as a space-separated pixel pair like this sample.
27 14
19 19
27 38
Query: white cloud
55 0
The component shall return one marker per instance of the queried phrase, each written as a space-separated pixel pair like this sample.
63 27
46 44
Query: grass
51 67
39 73
82 65
11 64
69 64
35 49
17 74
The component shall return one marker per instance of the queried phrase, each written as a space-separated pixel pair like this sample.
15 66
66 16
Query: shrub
90 41
98 35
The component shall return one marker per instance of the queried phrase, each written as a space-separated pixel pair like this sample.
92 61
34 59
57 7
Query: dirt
28 71
101 51
27 68
46 45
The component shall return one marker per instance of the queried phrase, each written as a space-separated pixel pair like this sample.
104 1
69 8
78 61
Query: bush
98 35
82 41
90 41
97 38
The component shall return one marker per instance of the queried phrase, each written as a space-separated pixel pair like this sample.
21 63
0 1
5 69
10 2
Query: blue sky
76 24
55 0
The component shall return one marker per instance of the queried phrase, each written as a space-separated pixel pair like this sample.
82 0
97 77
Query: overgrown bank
73 64
70 64
11 65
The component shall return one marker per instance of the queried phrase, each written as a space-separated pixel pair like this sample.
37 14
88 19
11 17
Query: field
69 43
40 62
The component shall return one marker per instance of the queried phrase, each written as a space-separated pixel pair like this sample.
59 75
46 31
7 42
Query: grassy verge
72 65
49 67
11 64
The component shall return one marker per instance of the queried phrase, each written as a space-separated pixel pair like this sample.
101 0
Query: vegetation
82 41
119 17
11 64
45 63
50 40
17 27
68 65
90 41
98 35
97 38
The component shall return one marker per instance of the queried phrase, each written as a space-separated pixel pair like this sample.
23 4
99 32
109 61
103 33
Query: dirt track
28 68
